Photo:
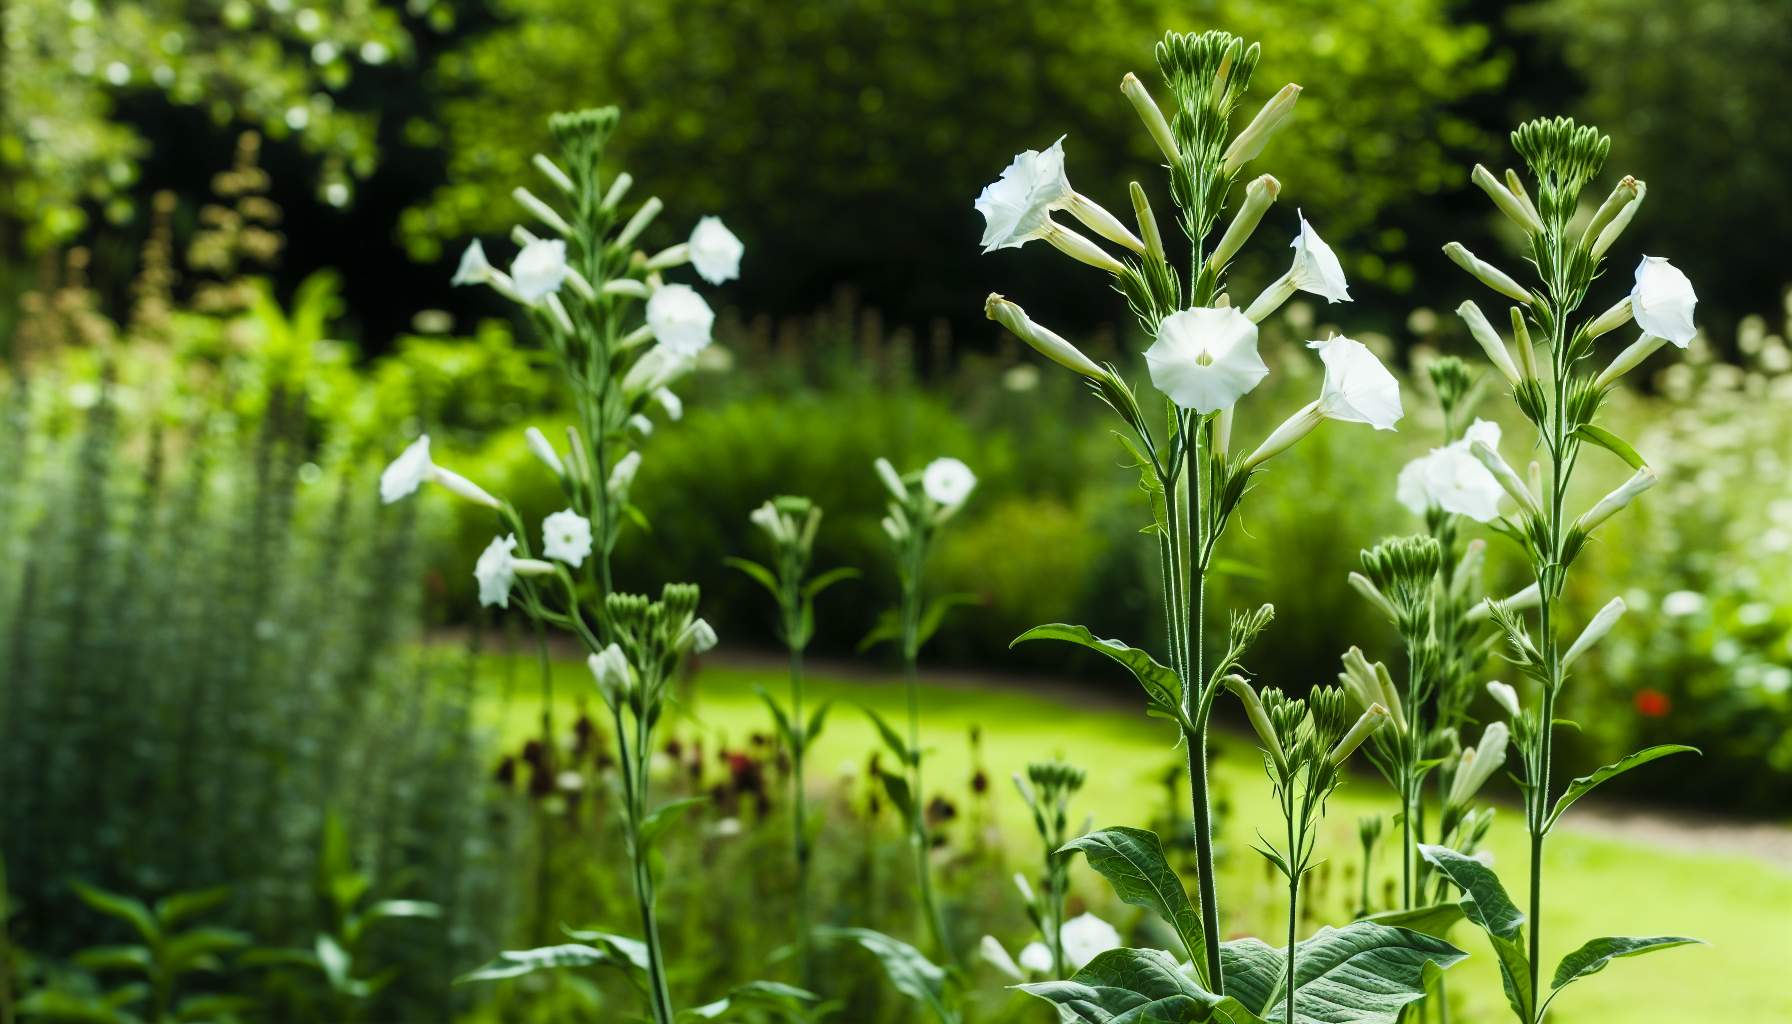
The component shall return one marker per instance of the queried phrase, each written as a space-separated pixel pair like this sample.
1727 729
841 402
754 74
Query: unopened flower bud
697 638
1602 624
1255 136
1506 697
1081 249
1490 341
1367 588
622 475
1610 320
638 223
1504 199
892 479
460 485
1148 111
1486 273
1283 437
1620 220
1141 211
618 189
1253 710
1521 340
1371 720
1629 359
544 450
1612 503
1097 219
1045 342
542 211
1507 476
1515 185
1258 196
1624 193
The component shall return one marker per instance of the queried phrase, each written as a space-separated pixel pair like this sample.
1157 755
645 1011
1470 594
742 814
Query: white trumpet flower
497 569
1036 959
1479 762
539 269
1205 359
715 251
1017 207
1085 937
991 951
473 268
413 468
680 319
948 482
1357 389
566 536
1453 479
698 637
1662 301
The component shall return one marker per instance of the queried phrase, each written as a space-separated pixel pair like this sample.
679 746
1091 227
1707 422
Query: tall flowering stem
1203 359
1560 393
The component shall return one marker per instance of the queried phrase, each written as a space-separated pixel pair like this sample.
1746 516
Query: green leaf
1587 783
887 629
934 615
1592 957
656 823
182 906
1136 986
124 908
816 721
1133 862
773 995
1362 972
212 1007
779 718
909 972
1485 903
1161 684
1435 920
892 739
514 963
826 580
758 572
1611 443
75 1008
114 958
190 949
897 787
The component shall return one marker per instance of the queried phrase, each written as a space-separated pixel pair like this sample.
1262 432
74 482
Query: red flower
1651 703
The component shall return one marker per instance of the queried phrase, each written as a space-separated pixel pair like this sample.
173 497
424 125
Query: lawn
1594 886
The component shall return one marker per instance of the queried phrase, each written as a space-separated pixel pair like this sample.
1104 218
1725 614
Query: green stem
800 813
1293 892
634 792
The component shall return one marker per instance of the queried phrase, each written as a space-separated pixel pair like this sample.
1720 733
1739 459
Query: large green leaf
1435 920
1362 973
1485 903
181 906
123 908
1133 862
912 974
514 963
758 572
1161 684
1592 957
769 995
1136 986
1587 783
1611 443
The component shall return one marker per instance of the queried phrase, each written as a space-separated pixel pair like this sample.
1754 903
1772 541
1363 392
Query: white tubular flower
541 210
1016 207
697 638
1506 476
539 269
641 425
627 286
1486 273
611 670
670 402
680 319
1610 320
543 449
1602 624
715 251
553 173
1036 959
566 536
1523 600
1662 301
407 472
1620 219
892 479
1489 340
1453 479
496 571
1629 359
460 486
1316 269
618 189
1025 889
766 517
1507 202
1506 697
1086 937
948 482
657 367
1258 196
1613 503
1357 388
473 268
992 953
1479 762
638 223
1205 359
1045 342
1081 249
1148 111
622 475
1255 136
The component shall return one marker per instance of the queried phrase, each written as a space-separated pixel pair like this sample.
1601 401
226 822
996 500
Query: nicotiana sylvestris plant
790 523
1064 945
1555 386
1203 359
920 503
620 335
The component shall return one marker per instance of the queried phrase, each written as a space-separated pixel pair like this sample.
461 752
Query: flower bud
1364 586
1099 220
1506 697
1258 196
1486 273
1222 422
1081 249
892 479
460 485
1623 194
669 257
1610 320
1479 763
544 450
627 286
1141 211
553 173
622 475
615 677
1371 720
1619 221
697 638
1629 359
1255 136
542 211
1026 890
618 189
638 223
1045 342
1530 597
1602 624
1506 475
1490 341
1612 503
1504 199
1253 710
1141 101
531 567
1521 339
1283 437
1515 185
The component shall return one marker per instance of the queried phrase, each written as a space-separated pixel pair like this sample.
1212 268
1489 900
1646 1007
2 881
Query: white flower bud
1081 249
1629 359
1610 320
697 637
1507 202
1478 763
618 189
1148 111
1612 503
1506 475
553 173
1506 697
1255 136
1043 341
1602 624
1487 273
544 450
638 223
1100 221
1620 216
542 211
892 479
1489 340
1370 720
1258 196
460 485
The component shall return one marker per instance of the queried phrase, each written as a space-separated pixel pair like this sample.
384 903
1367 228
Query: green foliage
1132 860
910 973
1136 984
1331 972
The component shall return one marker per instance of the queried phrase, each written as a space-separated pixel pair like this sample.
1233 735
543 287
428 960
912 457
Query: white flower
948 482
990 949
657 367
544 450
473 267
1205 359
697 637
1602 624
680 319
1086 937
566 535
766 517
413 468
1479 763
1036 959
1506 697
1015 207
622 475
1662 301
1357 389
670 402
1316 268
539 269
892 479
610 668
496 571
407 472
715 251
1453 479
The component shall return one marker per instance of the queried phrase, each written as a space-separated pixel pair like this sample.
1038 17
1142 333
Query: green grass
1593 886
